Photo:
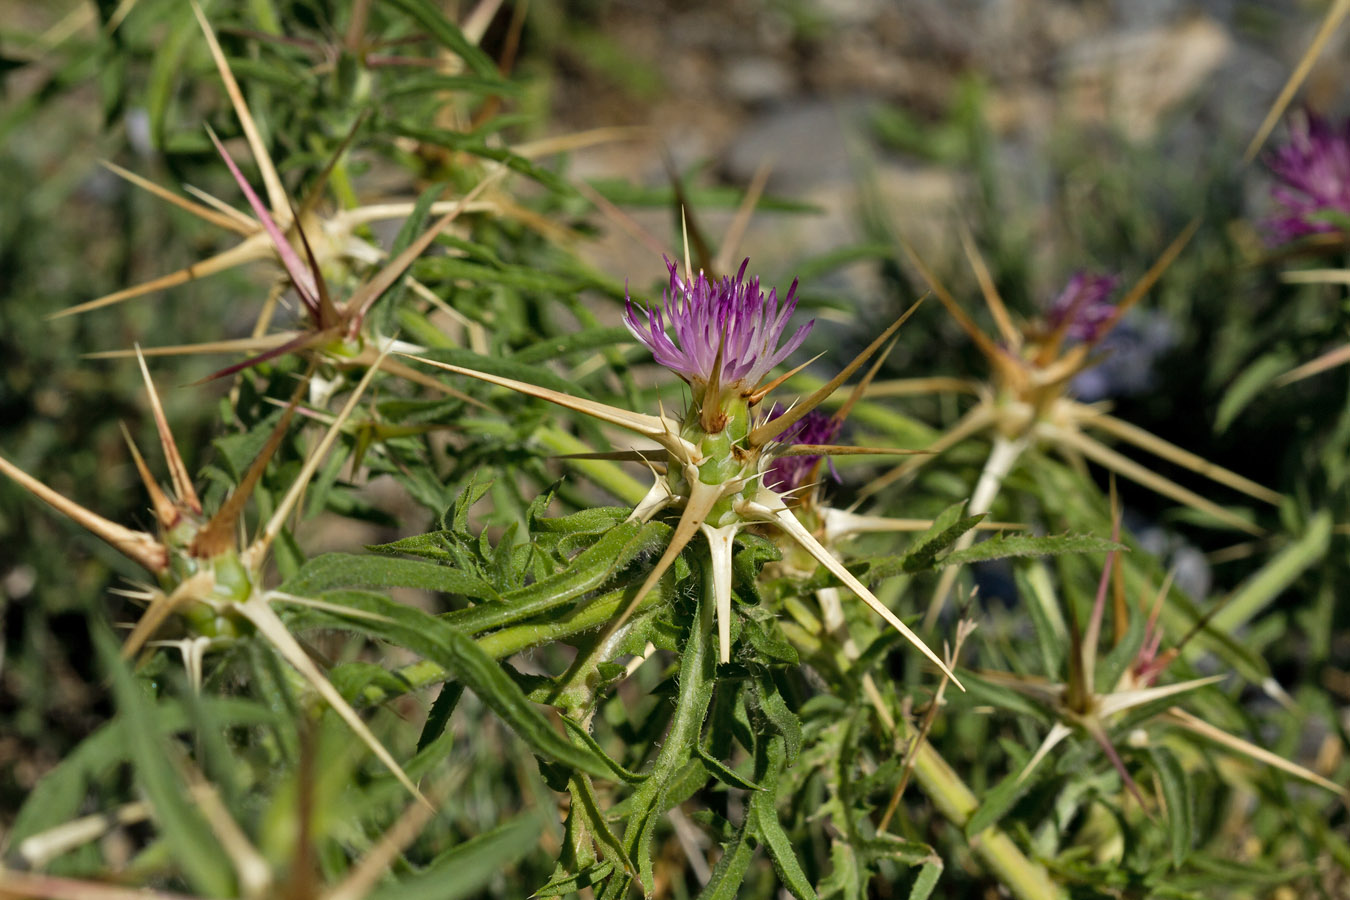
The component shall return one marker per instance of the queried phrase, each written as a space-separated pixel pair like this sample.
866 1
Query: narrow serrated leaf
1019 545
1178 795
469 867
768 829
724 773
1248 383
337 570
456 652
571 884
189 838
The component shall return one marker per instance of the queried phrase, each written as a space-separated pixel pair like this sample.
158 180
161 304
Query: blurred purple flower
1128 356
787 473
1084 305
1314 173
704 314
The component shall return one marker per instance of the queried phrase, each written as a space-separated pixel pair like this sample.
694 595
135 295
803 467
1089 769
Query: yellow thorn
135 545
766 431
1335 13
178 473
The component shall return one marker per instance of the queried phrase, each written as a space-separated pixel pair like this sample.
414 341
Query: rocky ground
822 90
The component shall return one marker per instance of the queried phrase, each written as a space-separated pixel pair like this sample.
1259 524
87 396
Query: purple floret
1085 306
788 473
703 314
1314 178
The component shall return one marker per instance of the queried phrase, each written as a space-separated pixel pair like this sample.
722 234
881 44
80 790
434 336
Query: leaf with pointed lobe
649 801
947 528
590 570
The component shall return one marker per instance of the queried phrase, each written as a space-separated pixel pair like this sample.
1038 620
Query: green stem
1026 880
507 641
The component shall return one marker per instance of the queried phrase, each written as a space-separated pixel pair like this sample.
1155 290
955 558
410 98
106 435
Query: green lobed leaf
438 719
584 737
998 801
728 876
929 874
947 528
779 716
648 802
724 773
589 571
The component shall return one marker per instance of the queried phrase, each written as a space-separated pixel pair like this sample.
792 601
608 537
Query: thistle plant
717 455
1105 686
678 695
203 575
1028 401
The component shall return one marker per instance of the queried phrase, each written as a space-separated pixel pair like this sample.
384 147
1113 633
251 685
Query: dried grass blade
1335 14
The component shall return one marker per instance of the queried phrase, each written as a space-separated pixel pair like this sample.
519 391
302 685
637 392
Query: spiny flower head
1314 178
715 472
788 473
1084 307
726 333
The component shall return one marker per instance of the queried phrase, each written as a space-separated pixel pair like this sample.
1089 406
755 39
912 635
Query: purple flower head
787 473
1084 306
1314 178
732 314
